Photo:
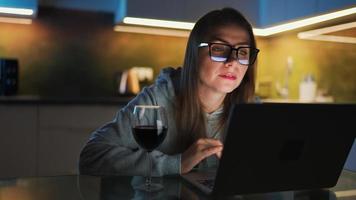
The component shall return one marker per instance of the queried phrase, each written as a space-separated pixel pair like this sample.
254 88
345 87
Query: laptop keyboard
207 183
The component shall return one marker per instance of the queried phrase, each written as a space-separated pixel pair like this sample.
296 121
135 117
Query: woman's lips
229 77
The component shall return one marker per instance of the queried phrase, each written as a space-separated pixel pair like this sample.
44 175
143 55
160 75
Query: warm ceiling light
16 11
158 23
333 38
153 31
318 34
304 22
15 20
257 31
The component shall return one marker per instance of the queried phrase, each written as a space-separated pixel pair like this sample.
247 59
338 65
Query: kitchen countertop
119 100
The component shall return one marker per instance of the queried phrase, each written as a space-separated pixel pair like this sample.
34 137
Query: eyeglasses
221 52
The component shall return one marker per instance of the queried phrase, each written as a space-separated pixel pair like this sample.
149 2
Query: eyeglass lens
221 52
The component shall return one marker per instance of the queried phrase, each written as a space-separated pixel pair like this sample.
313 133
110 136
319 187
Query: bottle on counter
307 89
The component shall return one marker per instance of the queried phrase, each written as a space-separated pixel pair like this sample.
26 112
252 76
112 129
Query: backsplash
76 54
332 64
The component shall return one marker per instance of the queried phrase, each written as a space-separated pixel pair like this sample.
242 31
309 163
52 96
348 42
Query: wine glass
149 128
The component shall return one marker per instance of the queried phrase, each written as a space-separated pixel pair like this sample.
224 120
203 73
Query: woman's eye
243 52
218 49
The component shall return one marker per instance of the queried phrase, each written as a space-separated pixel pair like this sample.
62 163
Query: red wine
149 137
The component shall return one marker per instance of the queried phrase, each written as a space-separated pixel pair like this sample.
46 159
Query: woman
218 71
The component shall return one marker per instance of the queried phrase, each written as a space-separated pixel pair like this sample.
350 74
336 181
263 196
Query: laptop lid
273 147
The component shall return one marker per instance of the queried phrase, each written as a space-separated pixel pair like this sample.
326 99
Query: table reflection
123 187
116 187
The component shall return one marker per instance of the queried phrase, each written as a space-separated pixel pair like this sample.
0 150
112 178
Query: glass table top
84 187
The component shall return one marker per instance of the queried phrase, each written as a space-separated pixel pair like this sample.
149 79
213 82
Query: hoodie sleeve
112 150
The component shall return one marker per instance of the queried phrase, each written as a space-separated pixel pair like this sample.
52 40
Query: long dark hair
189 113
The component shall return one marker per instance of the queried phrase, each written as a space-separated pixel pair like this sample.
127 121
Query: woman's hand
201 149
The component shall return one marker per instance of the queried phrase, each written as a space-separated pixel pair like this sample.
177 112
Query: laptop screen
277 147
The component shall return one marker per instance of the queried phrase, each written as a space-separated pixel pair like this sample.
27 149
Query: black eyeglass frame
255 51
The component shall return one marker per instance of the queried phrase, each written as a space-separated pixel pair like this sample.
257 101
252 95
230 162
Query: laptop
272 147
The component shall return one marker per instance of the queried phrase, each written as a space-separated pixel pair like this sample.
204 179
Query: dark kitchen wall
77 53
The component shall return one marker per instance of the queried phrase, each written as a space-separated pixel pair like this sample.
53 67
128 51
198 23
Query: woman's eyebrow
218 39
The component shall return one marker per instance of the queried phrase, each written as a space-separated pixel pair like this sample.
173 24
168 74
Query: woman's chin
226 90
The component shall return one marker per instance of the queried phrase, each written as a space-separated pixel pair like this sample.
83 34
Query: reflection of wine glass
149 127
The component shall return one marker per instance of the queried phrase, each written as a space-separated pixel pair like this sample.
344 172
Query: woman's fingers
209 141
218 154
211 151
198 151
210 146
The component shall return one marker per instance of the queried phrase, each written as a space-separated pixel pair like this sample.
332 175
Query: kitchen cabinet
324 5
63 130
18 144
45 139
261 13
274 12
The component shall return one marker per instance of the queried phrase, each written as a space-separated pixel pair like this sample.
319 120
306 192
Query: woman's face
222 77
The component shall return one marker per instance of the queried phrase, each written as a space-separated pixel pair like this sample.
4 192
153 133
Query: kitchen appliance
9 70
130 81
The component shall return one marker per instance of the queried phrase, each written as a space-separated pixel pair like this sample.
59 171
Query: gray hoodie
112 149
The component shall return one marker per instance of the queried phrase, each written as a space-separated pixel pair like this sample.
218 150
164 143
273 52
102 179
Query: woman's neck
211 101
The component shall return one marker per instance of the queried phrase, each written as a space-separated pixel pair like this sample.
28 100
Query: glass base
153 187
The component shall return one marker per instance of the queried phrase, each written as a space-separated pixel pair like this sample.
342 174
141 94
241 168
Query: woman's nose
231 59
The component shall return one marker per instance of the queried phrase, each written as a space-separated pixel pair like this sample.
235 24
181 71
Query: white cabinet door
18 139
63 130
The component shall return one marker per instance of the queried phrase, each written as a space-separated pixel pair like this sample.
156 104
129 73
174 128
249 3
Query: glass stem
148 178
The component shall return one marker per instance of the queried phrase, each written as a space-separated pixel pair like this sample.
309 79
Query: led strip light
16 11
319 34
186 26
15 20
